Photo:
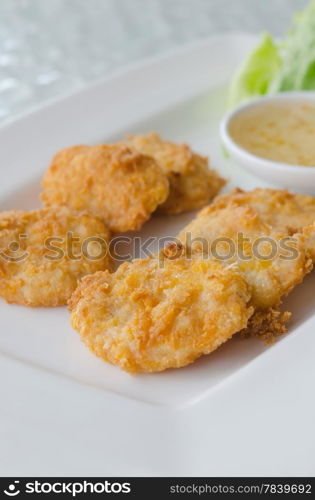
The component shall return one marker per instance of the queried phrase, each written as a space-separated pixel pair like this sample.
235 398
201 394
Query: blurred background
52 47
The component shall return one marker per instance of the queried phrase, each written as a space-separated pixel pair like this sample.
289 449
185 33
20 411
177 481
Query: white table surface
50 47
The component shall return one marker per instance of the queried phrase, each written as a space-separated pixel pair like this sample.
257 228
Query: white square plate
245 409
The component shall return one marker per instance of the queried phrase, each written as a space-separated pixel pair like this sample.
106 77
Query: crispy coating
154 314
192 184
267 324
309 234
273 263
114 182
36 268
285 212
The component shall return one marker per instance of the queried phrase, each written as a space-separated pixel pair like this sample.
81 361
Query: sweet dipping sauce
280 131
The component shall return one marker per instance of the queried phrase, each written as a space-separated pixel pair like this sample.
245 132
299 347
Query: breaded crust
155 314
114 182
267 324
44 253
283 211
273 263
192 183
309 234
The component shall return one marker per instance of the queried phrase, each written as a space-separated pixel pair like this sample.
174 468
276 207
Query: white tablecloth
50 47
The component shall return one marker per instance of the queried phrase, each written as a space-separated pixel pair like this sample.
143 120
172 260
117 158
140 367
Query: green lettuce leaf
271 67
298 55
256 73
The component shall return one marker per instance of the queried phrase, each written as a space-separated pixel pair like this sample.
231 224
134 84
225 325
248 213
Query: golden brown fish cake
114 182
151 315
44 253
192 183
272 263
283 211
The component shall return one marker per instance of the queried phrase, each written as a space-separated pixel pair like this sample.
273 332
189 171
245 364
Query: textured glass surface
51 47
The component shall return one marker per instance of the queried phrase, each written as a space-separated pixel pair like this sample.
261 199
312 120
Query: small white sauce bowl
293 177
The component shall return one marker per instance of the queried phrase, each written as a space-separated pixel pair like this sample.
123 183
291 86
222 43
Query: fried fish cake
151 315
272 263
285 212
192 184
44 253
121 186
